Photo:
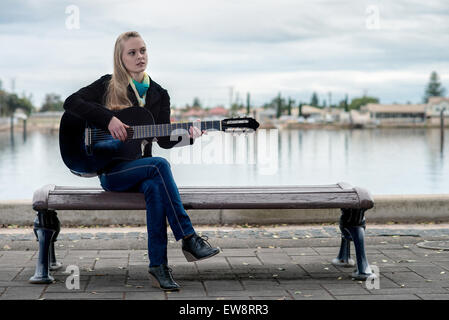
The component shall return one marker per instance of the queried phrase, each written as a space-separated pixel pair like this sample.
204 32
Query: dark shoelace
204 239
167 271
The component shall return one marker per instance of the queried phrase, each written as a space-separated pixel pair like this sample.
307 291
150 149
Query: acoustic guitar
87 150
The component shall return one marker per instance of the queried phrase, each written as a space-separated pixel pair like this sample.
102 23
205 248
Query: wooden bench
352 201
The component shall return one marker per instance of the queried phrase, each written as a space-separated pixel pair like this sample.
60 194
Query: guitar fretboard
166 129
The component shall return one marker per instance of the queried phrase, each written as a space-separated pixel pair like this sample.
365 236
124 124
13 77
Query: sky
219 51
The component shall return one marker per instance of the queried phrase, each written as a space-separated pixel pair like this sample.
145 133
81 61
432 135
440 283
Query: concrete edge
387 208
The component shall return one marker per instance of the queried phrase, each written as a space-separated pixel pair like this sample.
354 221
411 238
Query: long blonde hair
117 91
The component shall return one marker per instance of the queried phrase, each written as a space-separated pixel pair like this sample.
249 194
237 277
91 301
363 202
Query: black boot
197 248
161 278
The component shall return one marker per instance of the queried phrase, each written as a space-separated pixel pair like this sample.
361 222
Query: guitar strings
100 134
109 137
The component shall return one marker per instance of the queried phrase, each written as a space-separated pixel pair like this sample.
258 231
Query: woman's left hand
195 131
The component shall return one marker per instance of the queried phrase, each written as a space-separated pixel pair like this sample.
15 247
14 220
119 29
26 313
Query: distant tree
3 97
52 102
300 109
196 103
14 102
343 104
235 107
278 106
356 103
289 106
248 105
314 100
434 88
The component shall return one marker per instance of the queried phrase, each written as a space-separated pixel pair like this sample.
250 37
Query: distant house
194 113
218 111
264 115
434 107
395 113
311 112
359 118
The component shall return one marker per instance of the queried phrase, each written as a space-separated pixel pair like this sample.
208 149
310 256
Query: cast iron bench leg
46 229
352 226
344 256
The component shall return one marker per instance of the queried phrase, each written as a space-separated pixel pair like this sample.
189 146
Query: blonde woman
130 85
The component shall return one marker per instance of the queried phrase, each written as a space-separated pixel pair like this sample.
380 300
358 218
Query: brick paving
284 262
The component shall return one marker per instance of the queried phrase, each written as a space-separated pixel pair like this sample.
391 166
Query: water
384 161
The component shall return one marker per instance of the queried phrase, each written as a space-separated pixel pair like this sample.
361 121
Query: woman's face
134 55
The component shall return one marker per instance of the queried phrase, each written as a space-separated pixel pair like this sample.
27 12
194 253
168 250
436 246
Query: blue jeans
153 177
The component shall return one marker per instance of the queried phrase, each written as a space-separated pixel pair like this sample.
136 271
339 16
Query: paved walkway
278 262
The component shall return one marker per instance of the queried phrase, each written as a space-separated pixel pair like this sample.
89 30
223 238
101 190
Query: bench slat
135 201
340 195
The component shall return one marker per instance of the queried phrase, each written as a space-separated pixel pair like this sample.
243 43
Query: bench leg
46 229
344 256
352 226
54 264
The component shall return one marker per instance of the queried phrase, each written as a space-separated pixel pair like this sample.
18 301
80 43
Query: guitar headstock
239 125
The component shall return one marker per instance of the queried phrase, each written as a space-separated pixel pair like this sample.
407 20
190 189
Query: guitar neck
166 129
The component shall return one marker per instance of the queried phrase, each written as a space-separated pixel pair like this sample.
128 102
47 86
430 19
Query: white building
395 113
434 107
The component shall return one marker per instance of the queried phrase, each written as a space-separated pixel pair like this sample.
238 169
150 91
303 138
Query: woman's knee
161 162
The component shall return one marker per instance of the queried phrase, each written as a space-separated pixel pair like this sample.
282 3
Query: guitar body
86 152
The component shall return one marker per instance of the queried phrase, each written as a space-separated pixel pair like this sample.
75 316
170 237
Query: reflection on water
385 161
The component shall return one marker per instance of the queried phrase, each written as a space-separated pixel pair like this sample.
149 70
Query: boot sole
155 283
191 258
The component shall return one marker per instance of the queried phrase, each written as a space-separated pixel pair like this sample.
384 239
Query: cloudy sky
210 48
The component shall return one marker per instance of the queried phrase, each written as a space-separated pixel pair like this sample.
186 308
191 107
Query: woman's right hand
117 129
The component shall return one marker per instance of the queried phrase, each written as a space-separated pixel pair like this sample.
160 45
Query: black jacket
89 104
